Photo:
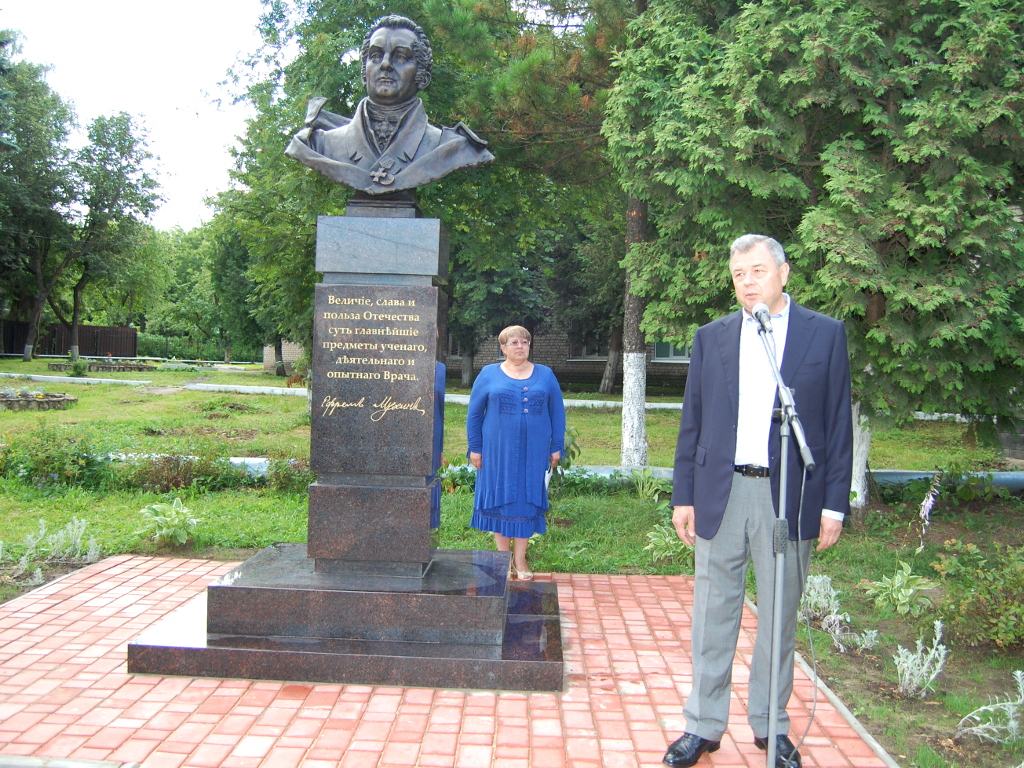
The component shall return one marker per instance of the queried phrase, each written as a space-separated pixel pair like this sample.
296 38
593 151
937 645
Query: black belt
751 470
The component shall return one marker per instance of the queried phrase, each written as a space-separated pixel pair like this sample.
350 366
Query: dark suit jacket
816 366
419 153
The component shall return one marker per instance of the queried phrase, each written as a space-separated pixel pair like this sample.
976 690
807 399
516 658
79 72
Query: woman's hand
555 457
474 459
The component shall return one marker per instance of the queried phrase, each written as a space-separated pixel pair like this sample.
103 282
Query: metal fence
93 340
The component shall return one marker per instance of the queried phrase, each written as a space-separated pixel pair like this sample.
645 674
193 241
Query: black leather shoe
687 749
786 755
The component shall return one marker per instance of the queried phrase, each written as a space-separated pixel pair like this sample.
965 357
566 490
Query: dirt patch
162 390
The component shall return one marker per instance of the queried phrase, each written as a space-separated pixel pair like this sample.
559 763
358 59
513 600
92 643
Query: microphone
763 316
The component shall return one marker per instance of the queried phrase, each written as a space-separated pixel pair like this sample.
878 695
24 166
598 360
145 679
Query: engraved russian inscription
374 353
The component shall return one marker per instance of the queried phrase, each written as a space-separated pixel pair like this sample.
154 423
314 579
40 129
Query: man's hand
475 459
829 533
682 519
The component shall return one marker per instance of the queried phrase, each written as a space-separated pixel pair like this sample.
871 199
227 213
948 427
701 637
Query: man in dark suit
388 145
726 488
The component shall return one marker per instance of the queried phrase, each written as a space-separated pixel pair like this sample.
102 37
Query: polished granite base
275 617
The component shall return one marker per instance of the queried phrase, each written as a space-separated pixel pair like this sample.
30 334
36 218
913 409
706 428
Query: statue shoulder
318 117
463 130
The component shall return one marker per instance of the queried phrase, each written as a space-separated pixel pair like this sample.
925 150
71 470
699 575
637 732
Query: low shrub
79 367
167 472
984 595
289 475
58 454
579 482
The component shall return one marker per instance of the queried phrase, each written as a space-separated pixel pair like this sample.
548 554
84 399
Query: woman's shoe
524 575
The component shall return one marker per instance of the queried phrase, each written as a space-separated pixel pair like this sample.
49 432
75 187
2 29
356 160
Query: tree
114 195
190 307
6 40
35 189
229 273
137 287
881 143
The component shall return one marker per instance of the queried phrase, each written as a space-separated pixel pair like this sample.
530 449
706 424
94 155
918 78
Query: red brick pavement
64 691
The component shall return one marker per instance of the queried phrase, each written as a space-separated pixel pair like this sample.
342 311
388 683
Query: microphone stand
790 422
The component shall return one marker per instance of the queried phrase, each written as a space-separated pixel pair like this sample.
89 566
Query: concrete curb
72 380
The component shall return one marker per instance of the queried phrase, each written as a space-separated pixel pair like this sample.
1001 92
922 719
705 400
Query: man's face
391 67
758 279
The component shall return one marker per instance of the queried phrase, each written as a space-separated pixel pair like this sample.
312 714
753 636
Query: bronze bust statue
388 145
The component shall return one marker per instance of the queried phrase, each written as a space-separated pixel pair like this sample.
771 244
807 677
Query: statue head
390 75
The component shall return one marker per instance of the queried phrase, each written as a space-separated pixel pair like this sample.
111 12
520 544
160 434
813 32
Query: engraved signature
387 405
331 404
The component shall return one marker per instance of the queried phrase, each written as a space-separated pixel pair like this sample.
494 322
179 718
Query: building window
665 352
453 348
587 345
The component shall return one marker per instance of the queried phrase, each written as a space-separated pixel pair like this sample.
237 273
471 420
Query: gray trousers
747 533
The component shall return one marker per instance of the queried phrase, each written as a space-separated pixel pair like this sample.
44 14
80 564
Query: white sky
159 61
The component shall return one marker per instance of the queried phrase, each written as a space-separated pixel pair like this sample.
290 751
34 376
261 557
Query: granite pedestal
463 625
369 599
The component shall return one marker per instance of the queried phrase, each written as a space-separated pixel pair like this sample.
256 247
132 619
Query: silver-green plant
998 721
820 602
902 591
843 638
820 598
917 670
66 545
167 523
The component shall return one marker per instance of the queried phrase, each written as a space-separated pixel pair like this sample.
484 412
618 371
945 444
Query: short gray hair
745 243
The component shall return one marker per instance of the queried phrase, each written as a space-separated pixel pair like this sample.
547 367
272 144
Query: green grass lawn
136 419
601 532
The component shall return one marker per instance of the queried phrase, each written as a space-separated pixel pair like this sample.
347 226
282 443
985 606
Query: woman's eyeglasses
517 343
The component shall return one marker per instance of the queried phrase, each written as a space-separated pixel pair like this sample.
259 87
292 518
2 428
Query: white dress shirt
758 389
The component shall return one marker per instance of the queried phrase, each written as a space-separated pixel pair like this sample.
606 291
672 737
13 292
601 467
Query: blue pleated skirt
517 520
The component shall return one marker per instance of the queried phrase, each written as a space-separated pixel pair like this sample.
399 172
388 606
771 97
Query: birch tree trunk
861 447
634 347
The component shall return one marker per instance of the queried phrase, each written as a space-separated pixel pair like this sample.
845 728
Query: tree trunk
611 367
76 309
34 320
279 369
861 447
44 290
467 369
634 359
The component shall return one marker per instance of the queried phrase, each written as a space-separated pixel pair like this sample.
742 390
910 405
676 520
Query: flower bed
105 367
36 402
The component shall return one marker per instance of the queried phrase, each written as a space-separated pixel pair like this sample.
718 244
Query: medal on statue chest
382 175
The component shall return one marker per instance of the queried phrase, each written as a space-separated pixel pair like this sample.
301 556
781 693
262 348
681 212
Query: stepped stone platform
275 617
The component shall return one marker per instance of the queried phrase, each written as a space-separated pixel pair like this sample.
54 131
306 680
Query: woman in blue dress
516 432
